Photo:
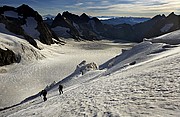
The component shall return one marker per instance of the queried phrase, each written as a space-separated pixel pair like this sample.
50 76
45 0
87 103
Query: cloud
125 7
100 8
35 1
151 3
79 4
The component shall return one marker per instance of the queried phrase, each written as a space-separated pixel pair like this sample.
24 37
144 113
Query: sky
136 8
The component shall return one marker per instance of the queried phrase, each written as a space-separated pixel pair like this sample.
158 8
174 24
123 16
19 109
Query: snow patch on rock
12 14
92 24
31 27
166 28
61 31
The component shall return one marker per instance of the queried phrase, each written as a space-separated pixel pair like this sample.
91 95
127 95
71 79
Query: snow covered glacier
141 81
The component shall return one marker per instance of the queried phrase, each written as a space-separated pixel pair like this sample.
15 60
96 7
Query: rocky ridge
84 27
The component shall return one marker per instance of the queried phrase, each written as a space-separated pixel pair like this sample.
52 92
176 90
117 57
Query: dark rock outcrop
71 17
8 57
84 18
62 21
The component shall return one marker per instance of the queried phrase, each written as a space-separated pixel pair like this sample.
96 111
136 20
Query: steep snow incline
19 46
139 53
144 52
11 82
169 38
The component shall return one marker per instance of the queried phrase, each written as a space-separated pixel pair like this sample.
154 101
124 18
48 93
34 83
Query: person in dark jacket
44 93
60 89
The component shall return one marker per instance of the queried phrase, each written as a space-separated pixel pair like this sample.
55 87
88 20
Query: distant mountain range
48 16
113 20
85 27
122 20
27 23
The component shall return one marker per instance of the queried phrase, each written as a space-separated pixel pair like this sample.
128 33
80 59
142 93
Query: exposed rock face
80 27
28 23
67 23
84 18
15 27
45 33
8 57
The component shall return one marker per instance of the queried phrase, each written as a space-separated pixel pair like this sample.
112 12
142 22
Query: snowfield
143 81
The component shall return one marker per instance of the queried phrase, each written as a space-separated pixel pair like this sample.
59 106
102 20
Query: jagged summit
84 17
77 27
59 20
171 14
71 16
27 11
157 17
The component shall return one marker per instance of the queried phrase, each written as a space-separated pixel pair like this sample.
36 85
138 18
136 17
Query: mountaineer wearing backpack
44 93
60 89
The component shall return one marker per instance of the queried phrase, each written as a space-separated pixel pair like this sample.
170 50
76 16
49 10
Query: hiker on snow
60 89
44 93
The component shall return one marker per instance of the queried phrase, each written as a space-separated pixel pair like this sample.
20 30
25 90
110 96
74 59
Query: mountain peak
70 16
157 17
27 11
67 14
84 17
59 15
172 14
25 7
